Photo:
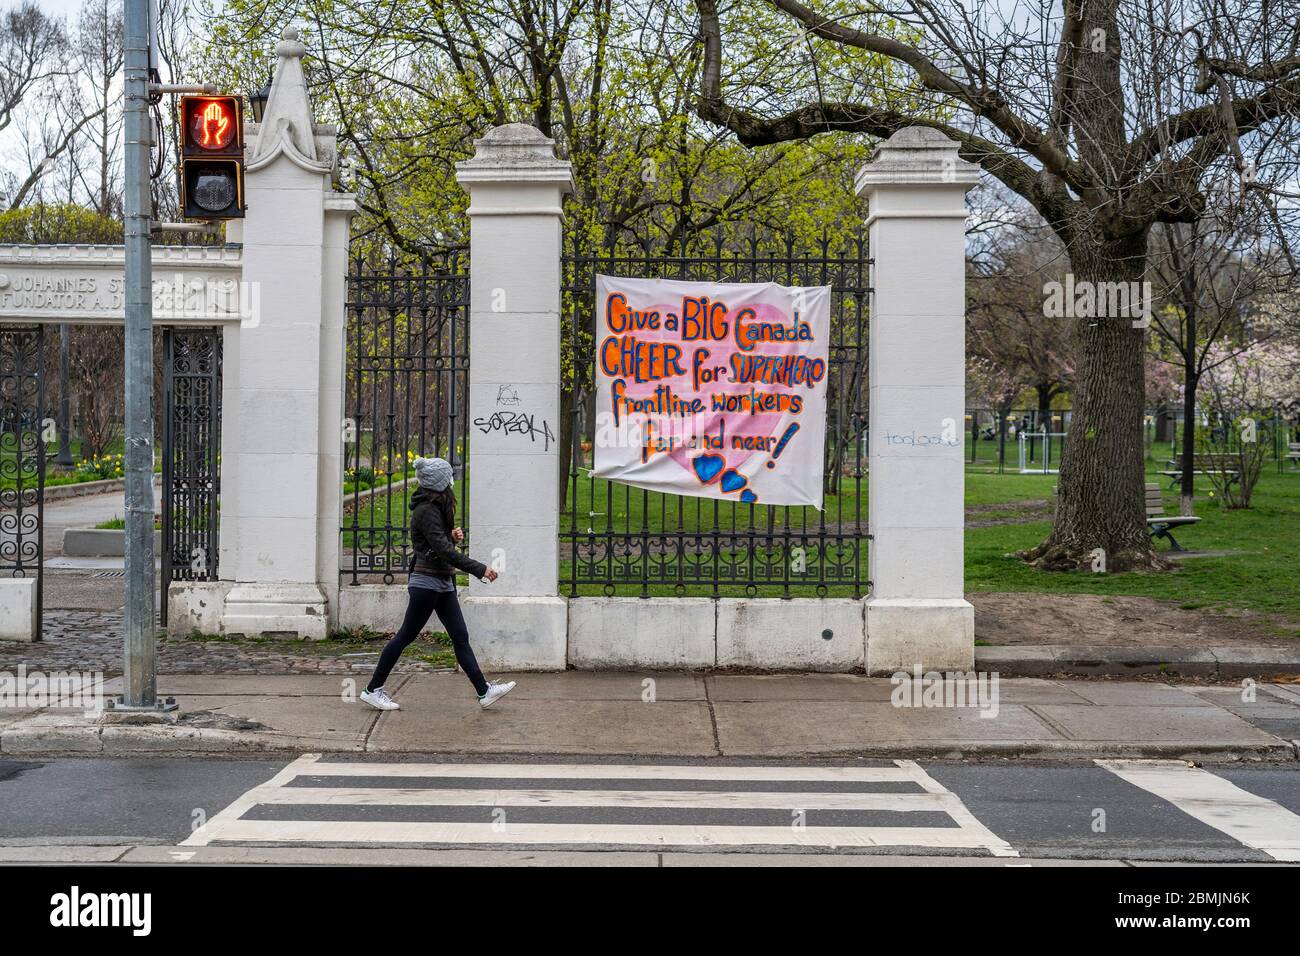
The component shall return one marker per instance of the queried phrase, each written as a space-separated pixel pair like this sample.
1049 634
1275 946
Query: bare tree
98 53
50 139
1009 264
96 386
57 95
1108 116
32 46
1208 275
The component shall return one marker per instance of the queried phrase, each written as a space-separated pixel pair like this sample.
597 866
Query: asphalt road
329 810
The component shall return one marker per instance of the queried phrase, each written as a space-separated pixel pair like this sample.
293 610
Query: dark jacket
432 514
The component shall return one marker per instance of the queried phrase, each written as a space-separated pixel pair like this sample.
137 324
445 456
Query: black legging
425 601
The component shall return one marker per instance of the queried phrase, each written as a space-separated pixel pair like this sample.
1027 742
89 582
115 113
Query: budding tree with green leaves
412 83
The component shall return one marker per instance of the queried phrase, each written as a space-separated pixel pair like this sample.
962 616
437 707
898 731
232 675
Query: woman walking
432 585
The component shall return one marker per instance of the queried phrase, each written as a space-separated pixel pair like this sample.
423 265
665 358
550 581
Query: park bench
1160 523
1204 464
1293 454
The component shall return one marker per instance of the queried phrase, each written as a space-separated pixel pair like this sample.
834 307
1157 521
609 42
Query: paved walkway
83 628
84 511
687 715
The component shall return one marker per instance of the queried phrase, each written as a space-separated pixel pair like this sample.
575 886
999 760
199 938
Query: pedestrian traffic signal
212 157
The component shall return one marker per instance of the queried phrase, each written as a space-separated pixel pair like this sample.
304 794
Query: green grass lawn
1262 572
54 474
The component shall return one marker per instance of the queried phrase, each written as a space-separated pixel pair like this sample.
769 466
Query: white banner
712 389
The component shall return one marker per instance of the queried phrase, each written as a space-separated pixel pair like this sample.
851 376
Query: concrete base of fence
18 618
549 633
520 633
632 632
196 607
280 609
806 634
801 634
935 634
374 607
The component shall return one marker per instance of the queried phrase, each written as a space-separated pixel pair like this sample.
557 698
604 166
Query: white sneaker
380 700
495 692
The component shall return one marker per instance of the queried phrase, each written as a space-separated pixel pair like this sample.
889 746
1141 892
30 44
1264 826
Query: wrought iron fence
618 539
406 394
191 478
22 455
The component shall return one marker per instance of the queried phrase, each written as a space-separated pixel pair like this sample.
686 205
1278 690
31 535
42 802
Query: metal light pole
140 682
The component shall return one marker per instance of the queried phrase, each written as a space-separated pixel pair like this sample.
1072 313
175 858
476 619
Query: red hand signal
215 123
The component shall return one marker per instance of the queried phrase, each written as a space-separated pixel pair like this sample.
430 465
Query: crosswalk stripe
506 833
1255 821
605 771
727 799
202 835
232 826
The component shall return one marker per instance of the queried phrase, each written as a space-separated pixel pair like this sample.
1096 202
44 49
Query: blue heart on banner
708 466
748 496
732 479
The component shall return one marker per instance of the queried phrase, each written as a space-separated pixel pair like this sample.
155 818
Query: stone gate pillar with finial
916 613
282 397
516 187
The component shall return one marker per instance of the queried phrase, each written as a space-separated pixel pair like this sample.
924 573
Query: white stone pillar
516 186
916 613
281 467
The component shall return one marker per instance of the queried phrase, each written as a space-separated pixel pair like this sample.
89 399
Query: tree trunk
1044 391
1004 412
1101 493
1188 451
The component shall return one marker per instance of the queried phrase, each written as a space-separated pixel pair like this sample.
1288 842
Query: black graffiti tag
517 423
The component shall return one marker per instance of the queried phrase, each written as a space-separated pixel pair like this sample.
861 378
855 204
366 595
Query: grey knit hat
433 473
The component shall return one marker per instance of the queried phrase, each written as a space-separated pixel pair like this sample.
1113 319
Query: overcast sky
58 8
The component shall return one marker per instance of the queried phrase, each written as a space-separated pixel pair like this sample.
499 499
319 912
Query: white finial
290 45
287 121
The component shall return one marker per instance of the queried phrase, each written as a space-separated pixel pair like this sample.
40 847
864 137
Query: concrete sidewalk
681 715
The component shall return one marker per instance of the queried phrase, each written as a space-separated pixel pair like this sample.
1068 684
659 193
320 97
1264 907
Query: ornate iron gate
406 395
22 456
621 539
191 479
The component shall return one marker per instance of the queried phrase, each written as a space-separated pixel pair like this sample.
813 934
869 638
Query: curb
1217 662
125 741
